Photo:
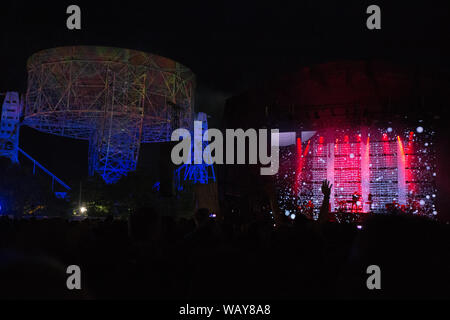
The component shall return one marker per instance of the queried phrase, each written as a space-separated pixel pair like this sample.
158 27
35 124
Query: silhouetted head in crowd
34 277
144 225
411 251
201 217
300 220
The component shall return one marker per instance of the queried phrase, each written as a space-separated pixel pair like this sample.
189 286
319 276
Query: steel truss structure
114 98
9 138
196 173
9 126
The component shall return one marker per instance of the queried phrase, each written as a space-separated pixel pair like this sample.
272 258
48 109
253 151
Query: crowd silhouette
150 256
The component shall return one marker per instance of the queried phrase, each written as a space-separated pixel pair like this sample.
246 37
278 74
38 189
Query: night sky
230 47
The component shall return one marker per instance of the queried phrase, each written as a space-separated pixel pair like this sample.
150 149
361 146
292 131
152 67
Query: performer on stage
369 201
355 199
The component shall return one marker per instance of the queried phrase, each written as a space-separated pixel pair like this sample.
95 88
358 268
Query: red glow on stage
299 146
408 162
387 150
320 148
299 167
307 148
401 167
409 147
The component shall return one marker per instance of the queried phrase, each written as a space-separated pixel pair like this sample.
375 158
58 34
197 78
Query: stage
372 170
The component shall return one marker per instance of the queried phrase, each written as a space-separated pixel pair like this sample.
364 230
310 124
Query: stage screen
372 170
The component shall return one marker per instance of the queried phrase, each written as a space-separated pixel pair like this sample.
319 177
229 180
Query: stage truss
10 125
202 173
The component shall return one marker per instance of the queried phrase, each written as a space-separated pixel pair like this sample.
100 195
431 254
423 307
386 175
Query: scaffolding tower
9 126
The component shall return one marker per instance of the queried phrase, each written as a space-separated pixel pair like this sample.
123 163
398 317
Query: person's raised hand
326 188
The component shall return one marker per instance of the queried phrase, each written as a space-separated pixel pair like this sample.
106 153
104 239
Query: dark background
230 46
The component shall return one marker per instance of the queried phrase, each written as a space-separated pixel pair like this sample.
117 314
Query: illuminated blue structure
9 139
116 99
9 126
196 173
60 194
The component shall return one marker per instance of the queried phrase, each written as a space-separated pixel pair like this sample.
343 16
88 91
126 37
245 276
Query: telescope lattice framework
114 98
